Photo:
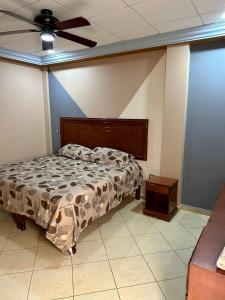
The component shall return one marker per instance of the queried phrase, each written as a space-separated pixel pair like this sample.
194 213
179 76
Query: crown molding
20 56
158 40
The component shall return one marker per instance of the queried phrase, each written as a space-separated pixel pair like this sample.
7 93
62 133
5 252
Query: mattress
64 195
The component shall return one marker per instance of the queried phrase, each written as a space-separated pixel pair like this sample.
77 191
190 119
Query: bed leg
72 250
138 193
20 221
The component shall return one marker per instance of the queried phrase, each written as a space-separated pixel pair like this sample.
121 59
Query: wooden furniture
129 135
161 197
205 280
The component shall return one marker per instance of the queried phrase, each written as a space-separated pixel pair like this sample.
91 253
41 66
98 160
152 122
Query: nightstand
161 197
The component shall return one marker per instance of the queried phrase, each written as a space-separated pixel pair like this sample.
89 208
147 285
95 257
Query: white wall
148 103
22 119
128 86
160 94
175 108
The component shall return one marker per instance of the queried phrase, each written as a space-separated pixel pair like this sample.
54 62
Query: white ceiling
111 20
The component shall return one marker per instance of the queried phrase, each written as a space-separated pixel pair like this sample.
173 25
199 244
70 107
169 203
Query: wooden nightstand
161 197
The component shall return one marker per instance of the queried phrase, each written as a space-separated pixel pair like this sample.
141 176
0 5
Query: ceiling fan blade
47 45
18 31
12 14
76 39
72 23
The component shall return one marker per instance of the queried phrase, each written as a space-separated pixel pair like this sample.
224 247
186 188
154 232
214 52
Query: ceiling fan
49 27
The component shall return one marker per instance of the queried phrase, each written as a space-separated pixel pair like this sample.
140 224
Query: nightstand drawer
157 188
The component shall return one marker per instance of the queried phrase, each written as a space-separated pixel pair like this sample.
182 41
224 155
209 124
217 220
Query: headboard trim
129 135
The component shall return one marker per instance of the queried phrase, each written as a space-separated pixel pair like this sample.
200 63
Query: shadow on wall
61 104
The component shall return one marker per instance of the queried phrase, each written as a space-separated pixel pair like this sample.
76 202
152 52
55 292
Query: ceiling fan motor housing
46 18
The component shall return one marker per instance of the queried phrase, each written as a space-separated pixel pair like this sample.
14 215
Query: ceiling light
47 36
51 51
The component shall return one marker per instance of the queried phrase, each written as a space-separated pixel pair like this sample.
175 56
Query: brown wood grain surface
205 280
129 135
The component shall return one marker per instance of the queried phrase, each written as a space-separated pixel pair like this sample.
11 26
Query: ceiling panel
132 2
108 39
9 23
59 12
214 17
90 8
119 20
61 43
179 24
161 11
4 40
205 6
137 33
111 20
13 5
90 32
29 44
73 47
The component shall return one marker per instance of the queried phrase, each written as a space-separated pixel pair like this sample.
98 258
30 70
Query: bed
65 195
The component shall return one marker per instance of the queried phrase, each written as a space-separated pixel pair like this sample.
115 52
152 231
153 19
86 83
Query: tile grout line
172 278
138 247
144 259
71 259
189 231
124 221
99 227
14 273
19 249
174 249
127 286
33 267
62 298
193 234
89 262
7 238
90 293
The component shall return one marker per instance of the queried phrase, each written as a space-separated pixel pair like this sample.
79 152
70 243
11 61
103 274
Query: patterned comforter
63 195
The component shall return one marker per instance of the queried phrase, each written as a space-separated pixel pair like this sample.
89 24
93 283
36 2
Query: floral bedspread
63 195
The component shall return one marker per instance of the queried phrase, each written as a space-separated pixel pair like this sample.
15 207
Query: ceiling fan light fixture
51 51
47 36
47 46
49 27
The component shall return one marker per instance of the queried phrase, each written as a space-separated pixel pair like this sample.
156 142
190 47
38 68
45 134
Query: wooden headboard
129 135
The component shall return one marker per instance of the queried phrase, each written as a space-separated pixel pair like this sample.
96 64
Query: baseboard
196 209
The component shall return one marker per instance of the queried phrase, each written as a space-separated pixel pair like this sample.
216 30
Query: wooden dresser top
162 181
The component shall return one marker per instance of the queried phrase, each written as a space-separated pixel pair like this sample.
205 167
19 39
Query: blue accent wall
61 105
204 156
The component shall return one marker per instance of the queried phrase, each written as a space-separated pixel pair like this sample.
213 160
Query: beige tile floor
123 256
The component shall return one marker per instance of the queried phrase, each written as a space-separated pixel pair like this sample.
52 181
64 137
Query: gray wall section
204 156
61 105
